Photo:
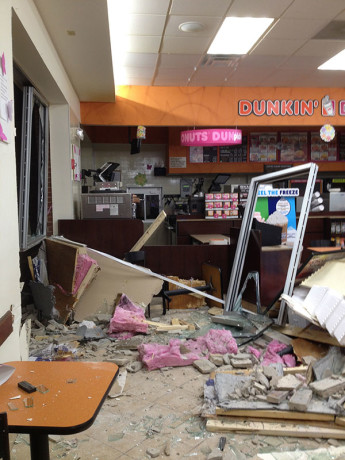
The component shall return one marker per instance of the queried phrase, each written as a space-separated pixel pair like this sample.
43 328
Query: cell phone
26 386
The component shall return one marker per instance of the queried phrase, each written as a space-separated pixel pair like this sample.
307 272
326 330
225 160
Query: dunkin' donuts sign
209 137
290 107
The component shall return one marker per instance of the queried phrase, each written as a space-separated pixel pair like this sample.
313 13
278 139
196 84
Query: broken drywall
115 278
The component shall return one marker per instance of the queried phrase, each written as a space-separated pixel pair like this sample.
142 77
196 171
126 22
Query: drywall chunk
153 452
241 363
276 397
273 370
216 359
288 382
329 386
300 400
204 366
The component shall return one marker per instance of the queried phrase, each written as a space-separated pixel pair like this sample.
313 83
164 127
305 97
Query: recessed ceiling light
191 26
337 62
238 35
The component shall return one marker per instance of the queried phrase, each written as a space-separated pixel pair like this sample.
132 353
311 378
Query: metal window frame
241 249
28 240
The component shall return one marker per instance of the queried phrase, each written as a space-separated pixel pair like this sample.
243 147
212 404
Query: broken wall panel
61 263
112 279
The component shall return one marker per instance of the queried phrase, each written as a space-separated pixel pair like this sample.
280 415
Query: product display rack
221 206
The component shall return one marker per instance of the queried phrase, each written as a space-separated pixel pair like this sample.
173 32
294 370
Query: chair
4 440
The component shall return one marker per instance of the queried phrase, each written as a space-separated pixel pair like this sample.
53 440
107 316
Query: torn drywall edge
24 340
112 279
156 275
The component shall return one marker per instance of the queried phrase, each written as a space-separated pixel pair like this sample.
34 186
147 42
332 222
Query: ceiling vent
335 30
219 60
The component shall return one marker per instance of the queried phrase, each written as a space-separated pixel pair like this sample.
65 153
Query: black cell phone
26 386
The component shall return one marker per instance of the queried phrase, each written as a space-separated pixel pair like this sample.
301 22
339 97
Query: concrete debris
241 363
276 397
300 400
153 452
167 448
204 366
134 366
288 382
216 359
329 386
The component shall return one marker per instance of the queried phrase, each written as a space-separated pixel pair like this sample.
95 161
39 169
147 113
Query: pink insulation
271 355
218 341
254 351
84 263
156 356
128 317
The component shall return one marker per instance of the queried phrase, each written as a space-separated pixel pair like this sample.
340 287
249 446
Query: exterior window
32 166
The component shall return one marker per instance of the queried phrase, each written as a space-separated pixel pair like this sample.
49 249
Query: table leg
39 447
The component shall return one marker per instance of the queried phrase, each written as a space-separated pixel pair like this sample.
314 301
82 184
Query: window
32 165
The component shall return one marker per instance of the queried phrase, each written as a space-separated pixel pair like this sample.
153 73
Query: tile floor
161 410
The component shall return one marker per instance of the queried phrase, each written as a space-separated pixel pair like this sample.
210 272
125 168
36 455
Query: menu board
321 150
294 147
196 154
342 147
199 154
233 153
263 147
210 154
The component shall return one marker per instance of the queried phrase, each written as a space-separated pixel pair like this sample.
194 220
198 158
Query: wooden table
215 238
76 392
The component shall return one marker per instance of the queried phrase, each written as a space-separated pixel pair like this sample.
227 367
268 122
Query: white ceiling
159 54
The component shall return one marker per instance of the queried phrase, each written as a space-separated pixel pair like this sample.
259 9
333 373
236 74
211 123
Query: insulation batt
156 356
128 317
254 351
271 355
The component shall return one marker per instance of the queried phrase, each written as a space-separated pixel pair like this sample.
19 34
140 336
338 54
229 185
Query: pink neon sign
207 137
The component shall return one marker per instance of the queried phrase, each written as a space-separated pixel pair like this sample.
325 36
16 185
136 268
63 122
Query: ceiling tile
258 62
200 7
210 24
178 61
296 28
301 62
140 60
144 44
278 47
322 48
188 45
287 77
315 9
144 72
243 77
256 8
145 24
170 80
139 81
148 6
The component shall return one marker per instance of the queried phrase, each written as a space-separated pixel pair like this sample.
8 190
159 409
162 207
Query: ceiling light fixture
191 26
118 17
238 35
337 62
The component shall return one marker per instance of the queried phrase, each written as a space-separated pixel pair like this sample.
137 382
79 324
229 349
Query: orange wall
204 106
